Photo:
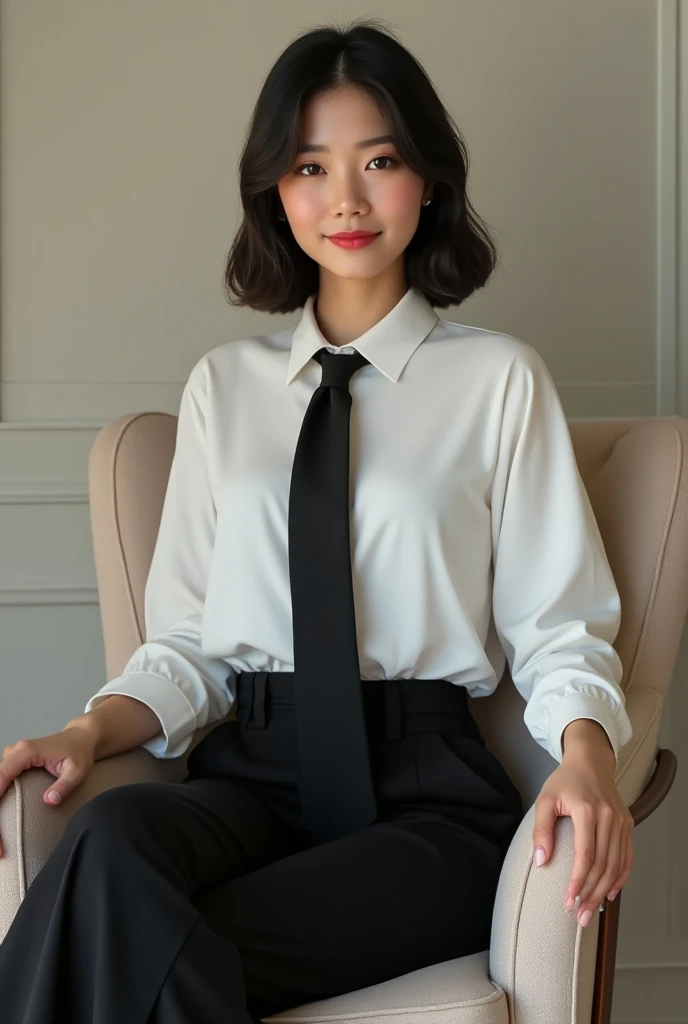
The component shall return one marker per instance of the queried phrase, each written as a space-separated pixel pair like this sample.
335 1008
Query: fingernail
540 856
54 796
585 917
612 893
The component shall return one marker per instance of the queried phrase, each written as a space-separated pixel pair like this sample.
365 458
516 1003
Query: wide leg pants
206 901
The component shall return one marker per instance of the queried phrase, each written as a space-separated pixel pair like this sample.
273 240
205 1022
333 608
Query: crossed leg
402 894
171 902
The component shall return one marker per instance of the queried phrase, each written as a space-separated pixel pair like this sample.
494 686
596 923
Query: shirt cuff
580 705
177 716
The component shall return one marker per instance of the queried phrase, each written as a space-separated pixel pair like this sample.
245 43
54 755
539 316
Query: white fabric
472 534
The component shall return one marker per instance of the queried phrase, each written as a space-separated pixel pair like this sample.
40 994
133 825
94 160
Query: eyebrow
378 140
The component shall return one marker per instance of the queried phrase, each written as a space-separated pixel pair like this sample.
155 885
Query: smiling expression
358 182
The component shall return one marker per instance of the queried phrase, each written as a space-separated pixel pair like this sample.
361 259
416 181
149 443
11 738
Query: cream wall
120 129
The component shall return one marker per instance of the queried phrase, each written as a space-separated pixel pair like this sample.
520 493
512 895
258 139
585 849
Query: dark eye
299 169
391 159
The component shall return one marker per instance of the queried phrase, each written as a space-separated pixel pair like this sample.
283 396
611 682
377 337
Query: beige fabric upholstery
540 965
455 992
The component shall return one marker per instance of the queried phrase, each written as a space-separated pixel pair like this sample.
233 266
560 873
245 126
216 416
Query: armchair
541 965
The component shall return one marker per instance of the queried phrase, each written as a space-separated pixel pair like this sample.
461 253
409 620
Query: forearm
585 738
117 724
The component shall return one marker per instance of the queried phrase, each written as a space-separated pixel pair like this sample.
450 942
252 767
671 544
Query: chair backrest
634 471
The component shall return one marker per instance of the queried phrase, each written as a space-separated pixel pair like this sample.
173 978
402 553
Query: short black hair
451 254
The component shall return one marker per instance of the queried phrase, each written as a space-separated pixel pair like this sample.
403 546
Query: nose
348 200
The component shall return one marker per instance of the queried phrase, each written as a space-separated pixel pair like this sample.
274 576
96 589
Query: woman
286 868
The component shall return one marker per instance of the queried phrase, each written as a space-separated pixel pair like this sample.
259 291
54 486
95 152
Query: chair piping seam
118 533
660 560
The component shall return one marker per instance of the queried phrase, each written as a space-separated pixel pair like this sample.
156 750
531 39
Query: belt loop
245 704
393 709
258 707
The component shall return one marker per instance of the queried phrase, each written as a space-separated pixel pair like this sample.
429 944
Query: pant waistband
399 706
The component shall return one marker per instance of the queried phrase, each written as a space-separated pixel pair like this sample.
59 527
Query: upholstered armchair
541 965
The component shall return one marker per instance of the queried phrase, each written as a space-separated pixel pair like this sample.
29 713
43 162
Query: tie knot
339 367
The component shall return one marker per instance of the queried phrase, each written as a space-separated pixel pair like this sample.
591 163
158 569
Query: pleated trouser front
206 901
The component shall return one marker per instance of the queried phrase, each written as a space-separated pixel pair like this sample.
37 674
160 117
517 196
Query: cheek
301 205
401 198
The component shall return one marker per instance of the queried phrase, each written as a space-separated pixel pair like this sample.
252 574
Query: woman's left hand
584 789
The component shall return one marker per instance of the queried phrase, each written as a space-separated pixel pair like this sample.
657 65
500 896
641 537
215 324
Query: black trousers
205 900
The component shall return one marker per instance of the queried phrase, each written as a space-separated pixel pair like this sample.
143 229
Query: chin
356 273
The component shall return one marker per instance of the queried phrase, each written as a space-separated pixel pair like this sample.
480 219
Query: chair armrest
537 948
30 828
549 967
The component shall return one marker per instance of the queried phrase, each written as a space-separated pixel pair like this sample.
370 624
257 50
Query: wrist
89 723
585 738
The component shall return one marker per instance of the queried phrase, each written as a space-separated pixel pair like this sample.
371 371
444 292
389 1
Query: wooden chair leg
648 801
606 961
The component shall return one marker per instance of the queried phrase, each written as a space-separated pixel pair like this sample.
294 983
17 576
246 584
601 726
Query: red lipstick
353 239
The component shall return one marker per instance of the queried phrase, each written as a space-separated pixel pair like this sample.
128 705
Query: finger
543 829
629 861
584 824
610 871
70 776
606 829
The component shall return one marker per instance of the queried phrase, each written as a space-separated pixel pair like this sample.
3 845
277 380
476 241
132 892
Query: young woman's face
346 188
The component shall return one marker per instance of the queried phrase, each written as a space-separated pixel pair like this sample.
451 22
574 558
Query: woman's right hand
68 755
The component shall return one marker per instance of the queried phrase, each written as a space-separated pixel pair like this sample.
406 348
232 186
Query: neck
345 308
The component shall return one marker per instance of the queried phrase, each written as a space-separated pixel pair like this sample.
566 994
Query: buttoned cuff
176 715
580 705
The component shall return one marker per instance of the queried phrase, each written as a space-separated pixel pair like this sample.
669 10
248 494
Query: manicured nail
612 893
54 796
585 918
540 856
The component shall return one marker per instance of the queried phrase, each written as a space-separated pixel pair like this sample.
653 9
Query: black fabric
336 786
171 903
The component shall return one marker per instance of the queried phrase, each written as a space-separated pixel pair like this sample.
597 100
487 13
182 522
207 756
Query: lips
354 239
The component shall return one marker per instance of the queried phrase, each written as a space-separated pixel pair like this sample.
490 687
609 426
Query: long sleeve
169 672
556 607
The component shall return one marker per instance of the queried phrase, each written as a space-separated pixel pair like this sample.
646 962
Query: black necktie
335 786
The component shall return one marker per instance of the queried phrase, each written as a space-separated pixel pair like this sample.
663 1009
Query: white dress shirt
473 539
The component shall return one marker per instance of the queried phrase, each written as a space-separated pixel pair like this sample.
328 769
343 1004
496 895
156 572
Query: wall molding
667 240
672 296
649 965
82 404
22 593
641 997
681 211
52 425
44 492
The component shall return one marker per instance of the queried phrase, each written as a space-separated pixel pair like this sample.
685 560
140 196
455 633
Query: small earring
426 202
280 217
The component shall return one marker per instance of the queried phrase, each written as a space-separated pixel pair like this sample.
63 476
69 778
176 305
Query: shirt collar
388 344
